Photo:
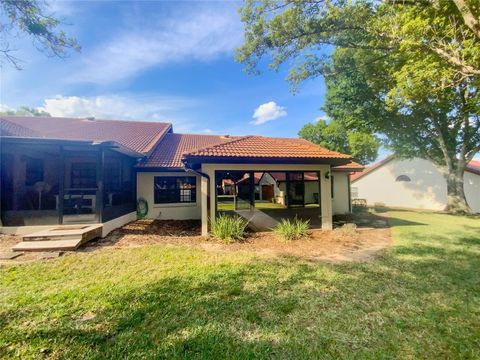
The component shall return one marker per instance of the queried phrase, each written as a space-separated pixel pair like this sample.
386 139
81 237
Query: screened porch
50 182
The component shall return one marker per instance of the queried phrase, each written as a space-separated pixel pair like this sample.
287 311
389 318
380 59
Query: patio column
204 202
326 200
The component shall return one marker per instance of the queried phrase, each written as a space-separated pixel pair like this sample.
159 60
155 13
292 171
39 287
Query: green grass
420 300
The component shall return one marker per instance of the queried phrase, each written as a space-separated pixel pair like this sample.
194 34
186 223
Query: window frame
177 194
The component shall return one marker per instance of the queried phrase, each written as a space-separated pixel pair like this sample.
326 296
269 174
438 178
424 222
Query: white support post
204 196
326 198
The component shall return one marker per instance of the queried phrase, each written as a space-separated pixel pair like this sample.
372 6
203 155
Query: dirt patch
6 244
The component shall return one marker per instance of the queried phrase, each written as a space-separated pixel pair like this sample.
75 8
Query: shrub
229 228
348 229
292 229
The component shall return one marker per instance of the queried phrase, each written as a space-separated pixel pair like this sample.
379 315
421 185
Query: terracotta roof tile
8 128
351 166
474 166
172 148
139 136
264 147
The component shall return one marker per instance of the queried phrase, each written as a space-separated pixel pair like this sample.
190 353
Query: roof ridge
217 145
4 117
157 140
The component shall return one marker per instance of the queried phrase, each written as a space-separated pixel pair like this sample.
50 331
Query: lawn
421 299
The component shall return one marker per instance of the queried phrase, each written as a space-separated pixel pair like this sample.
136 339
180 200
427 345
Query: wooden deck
62 237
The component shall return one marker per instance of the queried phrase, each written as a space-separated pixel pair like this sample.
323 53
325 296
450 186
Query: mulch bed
333 246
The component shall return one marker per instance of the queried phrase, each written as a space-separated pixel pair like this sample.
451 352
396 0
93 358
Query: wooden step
49 245
66 232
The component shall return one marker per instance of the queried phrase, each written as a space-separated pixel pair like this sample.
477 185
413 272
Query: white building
415 184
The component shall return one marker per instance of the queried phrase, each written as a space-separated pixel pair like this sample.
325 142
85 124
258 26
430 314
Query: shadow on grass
284 308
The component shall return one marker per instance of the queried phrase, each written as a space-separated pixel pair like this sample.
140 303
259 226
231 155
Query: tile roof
139 136
170 151
8 128
264 147
473 166
351 166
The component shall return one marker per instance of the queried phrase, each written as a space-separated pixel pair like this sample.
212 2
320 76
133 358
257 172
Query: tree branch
466 69
470 19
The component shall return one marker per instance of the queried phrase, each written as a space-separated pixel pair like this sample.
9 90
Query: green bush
292 229
229 228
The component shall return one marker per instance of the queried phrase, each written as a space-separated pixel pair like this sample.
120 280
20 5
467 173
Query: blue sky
159 61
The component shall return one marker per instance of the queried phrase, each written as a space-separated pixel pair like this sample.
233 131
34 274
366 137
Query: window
175 189
403 178
84 175
33 171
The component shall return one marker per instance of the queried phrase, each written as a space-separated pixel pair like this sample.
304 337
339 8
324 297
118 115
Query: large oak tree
407 69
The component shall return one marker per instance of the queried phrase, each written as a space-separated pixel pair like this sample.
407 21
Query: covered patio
267 179
265 197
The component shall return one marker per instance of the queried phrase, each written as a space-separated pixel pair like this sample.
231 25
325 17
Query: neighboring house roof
139 136
264 147
473 166
169 152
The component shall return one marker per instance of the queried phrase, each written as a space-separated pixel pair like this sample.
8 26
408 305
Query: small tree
25 111
335 136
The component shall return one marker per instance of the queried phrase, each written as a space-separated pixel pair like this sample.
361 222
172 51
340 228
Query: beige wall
178 211
426 190
341 200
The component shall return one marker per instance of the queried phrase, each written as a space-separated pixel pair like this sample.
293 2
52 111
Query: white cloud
321 117
145 107
200 34
268 112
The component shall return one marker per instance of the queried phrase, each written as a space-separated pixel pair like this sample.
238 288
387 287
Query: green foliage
31 18
408 70
292 229
419 300
229 228
26 111
335 136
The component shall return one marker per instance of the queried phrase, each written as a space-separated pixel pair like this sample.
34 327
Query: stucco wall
178 211
341 200
471 186
426 190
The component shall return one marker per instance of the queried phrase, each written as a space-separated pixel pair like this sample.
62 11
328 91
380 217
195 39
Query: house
415 183
57 171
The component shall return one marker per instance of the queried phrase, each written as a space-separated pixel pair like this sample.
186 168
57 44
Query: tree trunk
456 200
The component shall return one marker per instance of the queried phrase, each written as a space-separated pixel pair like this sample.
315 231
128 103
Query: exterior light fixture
327 175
